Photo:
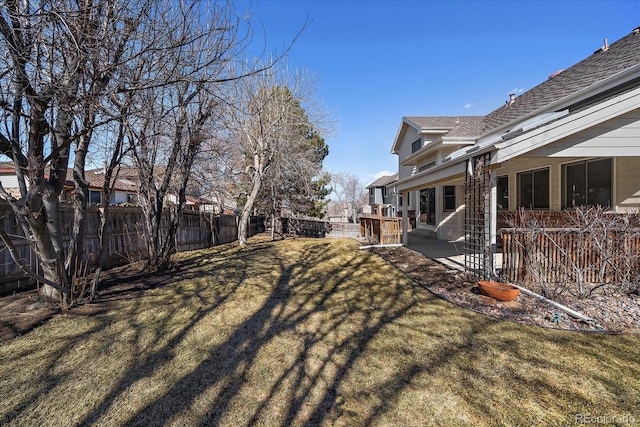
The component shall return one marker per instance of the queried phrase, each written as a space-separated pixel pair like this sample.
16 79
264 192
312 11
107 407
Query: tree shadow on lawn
295 298
122 299
311 387
331 319
146 366
20 313
281 313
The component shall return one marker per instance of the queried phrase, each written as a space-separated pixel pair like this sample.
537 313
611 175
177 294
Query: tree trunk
243 227
76 254
103 239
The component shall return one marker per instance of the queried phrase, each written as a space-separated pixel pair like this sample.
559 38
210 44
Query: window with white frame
533 189
449 198
428 206
587 183
416 145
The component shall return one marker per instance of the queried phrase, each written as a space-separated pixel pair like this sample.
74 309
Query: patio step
425 234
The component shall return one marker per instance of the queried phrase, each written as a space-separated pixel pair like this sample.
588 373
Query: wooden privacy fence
127 241
305 227
344 229
381 230
561 255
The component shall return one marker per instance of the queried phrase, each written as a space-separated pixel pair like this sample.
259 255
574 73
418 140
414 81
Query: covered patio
446 252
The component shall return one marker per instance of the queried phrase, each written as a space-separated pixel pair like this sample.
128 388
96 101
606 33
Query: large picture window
533 189
587 183
428 206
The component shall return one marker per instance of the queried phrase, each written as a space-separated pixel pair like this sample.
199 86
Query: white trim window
428 206
449 198
587 183
533 189
416 145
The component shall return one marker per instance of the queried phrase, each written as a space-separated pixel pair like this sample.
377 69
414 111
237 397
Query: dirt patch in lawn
21 312
612 313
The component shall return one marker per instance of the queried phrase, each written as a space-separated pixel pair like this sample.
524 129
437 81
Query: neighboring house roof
126 181
95 178
7 167
196 200
602 64
383 180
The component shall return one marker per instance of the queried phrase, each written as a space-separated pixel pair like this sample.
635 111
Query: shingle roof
95 178
604 63
459 125
7 167
435 122
470 126
384 180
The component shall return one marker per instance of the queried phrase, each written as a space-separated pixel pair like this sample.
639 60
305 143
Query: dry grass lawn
307 332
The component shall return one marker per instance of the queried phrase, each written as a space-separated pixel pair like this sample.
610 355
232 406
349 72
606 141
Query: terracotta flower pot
499 291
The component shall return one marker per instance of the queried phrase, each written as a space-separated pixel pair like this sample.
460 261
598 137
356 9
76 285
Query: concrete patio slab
448 253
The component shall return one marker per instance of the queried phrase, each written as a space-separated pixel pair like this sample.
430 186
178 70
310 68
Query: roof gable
456 126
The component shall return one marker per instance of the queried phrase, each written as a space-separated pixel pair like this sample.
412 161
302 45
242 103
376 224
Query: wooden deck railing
381 230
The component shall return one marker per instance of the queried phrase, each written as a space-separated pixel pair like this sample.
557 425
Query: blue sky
377 61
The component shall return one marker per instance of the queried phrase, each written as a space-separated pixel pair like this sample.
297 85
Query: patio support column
493 220
405 218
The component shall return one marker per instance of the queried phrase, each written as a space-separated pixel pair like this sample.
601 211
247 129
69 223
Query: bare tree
177 109
60 61
295 182
72 66
115 148
350 194
216 171
273 135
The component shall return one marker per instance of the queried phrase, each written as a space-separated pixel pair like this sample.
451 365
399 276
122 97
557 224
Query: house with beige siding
573 140
421 145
